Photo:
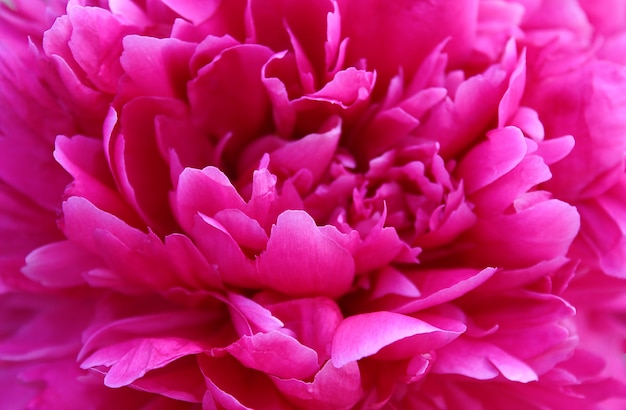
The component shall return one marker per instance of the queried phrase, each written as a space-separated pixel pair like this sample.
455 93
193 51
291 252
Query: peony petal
541 232
331 388
96 45
233 386
132 347
164 74
389 36
492 159
194 10
301 261
275 353
313 152
59 264
481 361
220 249
236 77
84 159
366 334
312 320
204 191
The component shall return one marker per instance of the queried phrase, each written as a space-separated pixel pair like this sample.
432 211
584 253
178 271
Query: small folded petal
275 353
481 361
331 388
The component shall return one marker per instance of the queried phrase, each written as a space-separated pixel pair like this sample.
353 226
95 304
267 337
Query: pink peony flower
323 204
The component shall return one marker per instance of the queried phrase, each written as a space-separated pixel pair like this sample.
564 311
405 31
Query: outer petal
364 335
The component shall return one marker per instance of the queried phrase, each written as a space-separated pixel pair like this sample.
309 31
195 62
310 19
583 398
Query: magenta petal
439 286
331 388
492 159
245 231
482 361
132 347
230 385
366 334
236 77
96 44
540 232
313 152
312 320
85 160
59 264
164 74
301 261
179 380
194 10
140 171
204 191
221 251
389 37
276 354
249 317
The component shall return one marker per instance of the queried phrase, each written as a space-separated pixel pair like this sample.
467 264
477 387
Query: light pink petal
81 219
301 261
195 11
188 263
331 388
347 88
249 317
283 111
456 123
556 149
208 49
245 231
276 354
385 130
206 191
512 187
366 334
492 159
527 120
603 230
481 361
96 45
